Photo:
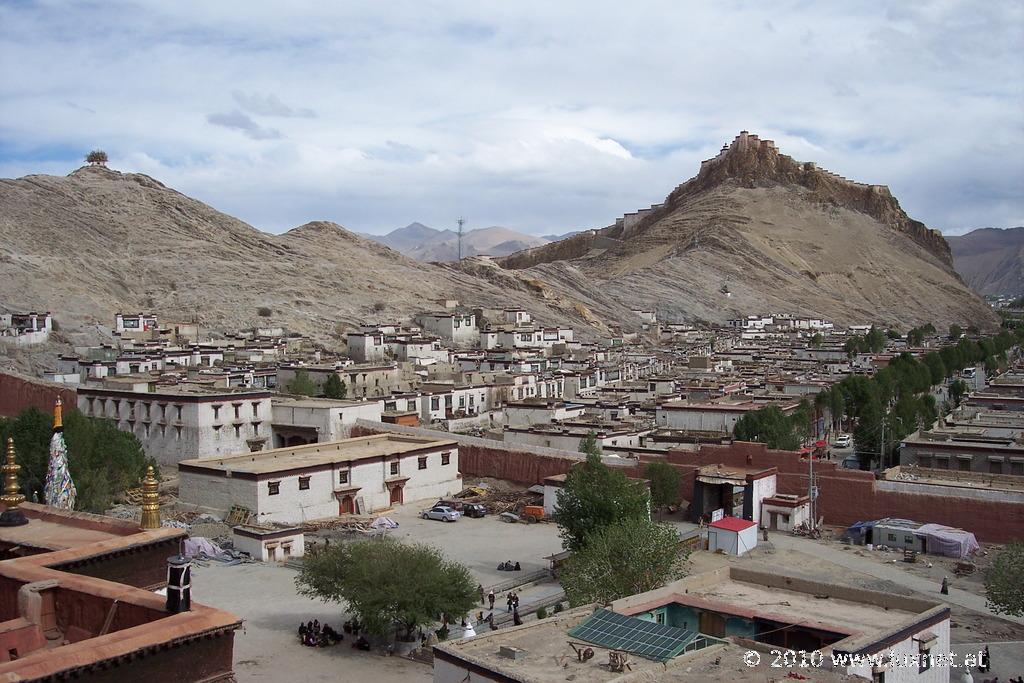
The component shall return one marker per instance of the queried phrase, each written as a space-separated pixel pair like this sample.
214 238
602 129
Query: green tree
874 340
334 387
816 341
955 332
302 384
665 482
893 334
596 496
103 460
387 583
957 390
771 426
589 444
936 368
1003 581
629 557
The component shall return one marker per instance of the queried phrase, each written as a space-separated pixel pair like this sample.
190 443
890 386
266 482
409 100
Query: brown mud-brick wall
19 393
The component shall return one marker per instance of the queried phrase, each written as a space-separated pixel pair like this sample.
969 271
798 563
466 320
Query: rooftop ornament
12 497
150 500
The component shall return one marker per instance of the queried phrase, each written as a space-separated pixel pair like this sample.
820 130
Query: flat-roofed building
298 421
186 420
293 485
793 612
718 416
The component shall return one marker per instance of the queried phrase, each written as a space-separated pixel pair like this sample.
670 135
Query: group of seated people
313 634
509 566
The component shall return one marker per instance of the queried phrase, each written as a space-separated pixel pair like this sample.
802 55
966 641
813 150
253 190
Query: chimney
179 584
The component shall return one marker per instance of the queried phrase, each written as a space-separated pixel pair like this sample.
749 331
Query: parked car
474 510
844 441
443 513
851 463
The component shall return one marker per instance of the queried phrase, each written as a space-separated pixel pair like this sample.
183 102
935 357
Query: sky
544 117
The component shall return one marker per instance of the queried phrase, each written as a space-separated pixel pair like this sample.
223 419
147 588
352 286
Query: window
964 464
303 483
892 537
273 488
177 432
446 458
924 460
1017 468
908 538
255 409
659 617
925 661
255 428
995 467
178 408
394 468
421 462
238 431
216 412
343 477
435 403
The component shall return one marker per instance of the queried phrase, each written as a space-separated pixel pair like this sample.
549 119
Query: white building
269 544
460 329
732 536
362 475
298 421
134 323
711 417
528 413
366 347
25 329
184 421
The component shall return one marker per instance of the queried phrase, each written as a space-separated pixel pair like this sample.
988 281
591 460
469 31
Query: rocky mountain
990 260
757 231
428 244
98 241
412 236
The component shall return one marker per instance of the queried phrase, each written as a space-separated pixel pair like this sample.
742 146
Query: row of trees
104 461
886 407
304 385
605 520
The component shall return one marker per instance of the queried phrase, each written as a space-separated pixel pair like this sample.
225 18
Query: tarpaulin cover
947 541
197 546
384 523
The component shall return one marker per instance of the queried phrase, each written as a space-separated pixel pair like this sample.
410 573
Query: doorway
346 506
396 495
712 624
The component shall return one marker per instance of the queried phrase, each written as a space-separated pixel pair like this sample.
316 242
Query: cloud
269 105
544 117
238 121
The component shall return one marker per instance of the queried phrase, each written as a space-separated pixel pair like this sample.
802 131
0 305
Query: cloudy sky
540 116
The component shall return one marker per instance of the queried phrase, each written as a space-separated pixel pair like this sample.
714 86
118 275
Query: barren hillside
991 261
99 241
756 231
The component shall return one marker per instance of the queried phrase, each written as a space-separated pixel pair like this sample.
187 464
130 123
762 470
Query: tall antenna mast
461 221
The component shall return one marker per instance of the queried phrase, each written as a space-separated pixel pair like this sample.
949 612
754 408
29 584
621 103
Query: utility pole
461 221
881 446
810 488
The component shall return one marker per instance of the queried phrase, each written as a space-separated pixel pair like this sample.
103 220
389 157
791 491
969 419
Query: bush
379 306
558 607
542 613
264 312
97 156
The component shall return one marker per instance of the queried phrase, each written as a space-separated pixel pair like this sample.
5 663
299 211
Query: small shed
732 535
269 544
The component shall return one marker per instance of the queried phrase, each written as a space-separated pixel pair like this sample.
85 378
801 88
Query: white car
442 512
844 441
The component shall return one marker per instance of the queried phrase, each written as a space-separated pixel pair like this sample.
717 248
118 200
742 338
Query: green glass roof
647 639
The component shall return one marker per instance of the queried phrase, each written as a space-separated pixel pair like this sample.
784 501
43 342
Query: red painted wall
848 496
18 392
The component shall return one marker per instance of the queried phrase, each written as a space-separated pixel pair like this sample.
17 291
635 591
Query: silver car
443 513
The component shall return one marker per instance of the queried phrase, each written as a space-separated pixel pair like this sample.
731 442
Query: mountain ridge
990 260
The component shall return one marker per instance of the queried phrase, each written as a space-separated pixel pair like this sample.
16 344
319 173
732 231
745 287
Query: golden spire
12 497
150 500
57 422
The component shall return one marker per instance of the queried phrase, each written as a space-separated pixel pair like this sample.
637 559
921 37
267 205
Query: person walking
480 590
490 598
515 601
508 601
945 586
